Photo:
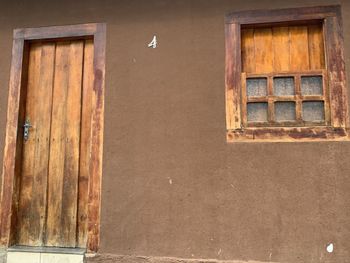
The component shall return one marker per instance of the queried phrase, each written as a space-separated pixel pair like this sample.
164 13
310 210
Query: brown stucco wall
172 186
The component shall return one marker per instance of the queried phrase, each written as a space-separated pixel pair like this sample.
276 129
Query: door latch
26 127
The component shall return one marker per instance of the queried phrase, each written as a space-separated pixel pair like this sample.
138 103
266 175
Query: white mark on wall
330 248
170 180
153 43
219 252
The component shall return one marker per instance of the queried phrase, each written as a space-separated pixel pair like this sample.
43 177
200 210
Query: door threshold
51 250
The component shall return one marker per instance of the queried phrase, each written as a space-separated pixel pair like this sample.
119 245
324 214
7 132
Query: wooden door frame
8 197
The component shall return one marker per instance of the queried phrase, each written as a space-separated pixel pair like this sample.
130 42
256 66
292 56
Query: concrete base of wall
2 256
109 258
37 257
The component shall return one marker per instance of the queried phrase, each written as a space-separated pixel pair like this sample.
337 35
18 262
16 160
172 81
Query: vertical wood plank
8 203
233 76
26 210
57 146
244 99
85 143
281 48
316 47
19 147
94 205
299 48
336 70
263 50
41 125
72 145
248 51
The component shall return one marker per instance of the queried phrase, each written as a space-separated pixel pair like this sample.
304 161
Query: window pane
257 112
256 87
311 85
285 111
283 86
313 111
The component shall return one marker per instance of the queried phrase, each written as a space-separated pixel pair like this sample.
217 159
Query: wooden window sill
287 134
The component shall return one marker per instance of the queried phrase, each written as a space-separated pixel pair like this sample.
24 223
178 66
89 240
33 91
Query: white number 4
153 43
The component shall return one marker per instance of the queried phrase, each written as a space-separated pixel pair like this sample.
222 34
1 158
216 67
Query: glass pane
313 111
285 111
257 112
283 86
311 85
257 87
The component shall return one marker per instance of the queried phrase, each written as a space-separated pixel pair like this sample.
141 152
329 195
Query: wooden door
53 191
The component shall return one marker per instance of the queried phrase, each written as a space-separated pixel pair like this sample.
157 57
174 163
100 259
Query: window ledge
288 134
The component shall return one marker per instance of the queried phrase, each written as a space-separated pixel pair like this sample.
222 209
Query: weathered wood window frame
336 122
8 196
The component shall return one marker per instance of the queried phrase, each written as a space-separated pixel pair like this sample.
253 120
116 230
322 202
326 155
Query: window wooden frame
8 195
337 119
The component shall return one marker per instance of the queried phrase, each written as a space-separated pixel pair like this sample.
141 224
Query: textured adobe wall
172 186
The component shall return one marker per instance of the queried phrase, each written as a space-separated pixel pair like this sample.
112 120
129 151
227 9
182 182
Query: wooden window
285 75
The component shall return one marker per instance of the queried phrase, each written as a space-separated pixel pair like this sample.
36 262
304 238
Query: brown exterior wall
172 186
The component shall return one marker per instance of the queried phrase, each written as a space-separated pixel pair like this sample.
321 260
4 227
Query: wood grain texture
316 47
233 75
288 134
299 48
85 143
288 48
32 205
28 233
57 146
336 72
55 32
282 15
68 222
248 51
8 193
263 50
94 203
281 49
13 145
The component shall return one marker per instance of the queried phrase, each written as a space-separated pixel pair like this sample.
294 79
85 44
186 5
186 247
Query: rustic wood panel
336 72
294 48
94 203
288 134
36 149
72 145
9 196
316 47
57 32
282 15
299 48
19 148
281 49
28 233
248 51
233 76
263 50
85 143
57 146
42 140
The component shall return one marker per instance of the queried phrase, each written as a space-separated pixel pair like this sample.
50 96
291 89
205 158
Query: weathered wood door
53 191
